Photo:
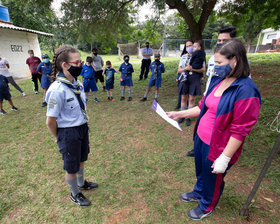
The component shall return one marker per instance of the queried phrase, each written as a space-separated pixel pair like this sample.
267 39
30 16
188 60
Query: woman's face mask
222 70
190 49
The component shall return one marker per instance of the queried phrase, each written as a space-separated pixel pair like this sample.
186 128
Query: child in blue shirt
45 69
109 73
126 70
5 94
157 68
88 79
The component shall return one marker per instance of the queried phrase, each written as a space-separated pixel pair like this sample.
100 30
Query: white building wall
269 35
14 46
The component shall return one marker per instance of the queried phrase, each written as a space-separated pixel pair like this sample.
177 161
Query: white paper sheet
157 108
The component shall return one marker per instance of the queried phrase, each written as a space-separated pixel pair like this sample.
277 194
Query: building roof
10 26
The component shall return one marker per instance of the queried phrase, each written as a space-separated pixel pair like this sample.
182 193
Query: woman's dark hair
94 49
61 55
185 48
89 59
235 48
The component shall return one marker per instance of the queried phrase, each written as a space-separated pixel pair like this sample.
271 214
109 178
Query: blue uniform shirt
45 68
157 69
3 84
64 105
88 72
126 69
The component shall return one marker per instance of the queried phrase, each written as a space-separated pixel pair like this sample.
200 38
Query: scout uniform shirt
64 105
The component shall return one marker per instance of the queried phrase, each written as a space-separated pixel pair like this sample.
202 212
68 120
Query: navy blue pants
209 186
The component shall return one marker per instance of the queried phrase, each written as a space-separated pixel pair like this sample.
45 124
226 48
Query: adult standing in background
225 33
146 52
4 70
98 63
33 63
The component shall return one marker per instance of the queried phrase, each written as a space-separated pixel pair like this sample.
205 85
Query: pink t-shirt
33 64
207 121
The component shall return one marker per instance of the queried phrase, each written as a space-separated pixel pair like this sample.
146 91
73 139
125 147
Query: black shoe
14 108
190 153
80 199
2 112
177 107
44 104
88 186
188 122
181 120
198 214
143 99
122 98
129 98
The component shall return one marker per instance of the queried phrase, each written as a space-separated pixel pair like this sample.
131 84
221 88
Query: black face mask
95 54
157 60
147 46
126 60
75 71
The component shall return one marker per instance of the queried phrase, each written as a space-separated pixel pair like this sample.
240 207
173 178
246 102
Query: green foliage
250 17
32 14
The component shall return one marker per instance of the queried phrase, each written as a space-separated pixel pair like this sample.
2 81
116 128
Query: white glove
221 163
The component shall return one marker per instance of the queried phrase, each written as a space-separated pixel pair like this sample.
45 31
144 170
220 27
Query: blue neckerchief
76 90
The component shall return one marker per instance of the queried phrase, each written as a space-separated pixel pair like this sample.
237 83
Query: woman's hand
220 164
175 115
188 68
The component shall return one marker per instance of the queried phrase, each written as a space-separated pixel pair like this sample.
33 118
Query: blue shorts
73 144
127 80
155 82
90 84
45 81
5 95
109 85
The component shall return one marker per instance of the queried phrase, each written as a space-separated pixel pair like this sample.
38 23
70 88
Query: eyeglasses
78 62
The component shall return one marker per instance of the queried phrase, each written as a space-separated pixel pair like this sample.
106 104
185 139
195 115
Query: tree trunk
249 41
196 28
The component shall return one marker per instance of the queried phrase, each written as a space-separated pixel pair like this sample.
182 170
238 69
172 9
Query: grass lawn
137 158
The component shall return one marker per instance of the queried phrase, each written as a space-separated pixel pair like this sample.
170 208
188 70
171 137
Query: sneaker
177 107
23 94
181 120
143 99
14 108
36 92
108 98
198 214
190 153
188 122
3 112
189 197
88 186
44 104
129 98
80 199
96 100
112 99
122 98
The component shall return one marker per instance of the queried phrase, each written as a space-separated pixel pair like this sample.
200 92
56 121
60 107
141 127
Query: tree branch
207 9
